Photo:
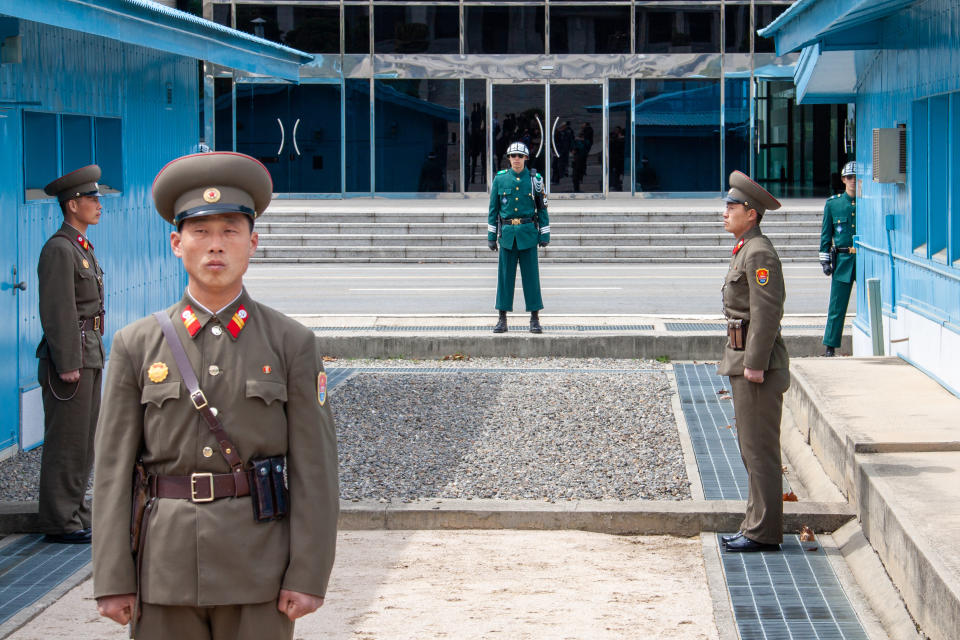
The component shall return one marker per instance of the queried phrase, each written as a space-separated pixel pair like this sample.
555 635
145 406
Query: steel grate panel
30 568
791 594
518 327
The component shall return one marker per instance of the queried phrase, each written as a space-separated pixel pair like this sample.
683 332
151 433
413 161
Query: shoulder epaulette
501 171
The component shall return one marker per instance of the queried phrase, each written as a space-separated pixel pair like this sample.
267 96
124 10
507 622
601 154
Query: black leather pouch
268 488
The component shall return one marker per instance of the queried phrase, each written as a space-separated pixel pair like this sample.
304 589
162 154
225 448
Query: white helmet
518 147
849 169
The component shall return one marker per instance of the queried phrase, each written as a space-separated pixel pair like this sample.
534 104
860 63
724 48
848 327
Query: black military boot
829 353
535 322
501 323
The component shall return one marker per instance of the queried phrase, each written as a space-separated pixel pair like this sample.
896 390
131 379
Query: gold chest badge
157 372
86 265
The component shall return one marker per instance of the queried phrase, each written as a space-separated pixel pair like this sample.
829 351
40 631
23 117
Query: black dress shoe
81 536
501 323
736 536
535 323
829 353
743 544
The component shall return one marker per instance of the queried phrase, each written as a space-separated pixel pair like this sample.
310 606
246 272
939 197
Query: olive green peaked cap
745 191
82 182
205 184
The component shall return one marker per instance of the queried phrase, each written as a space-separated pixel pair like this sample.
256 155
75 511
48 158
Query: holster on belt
737 332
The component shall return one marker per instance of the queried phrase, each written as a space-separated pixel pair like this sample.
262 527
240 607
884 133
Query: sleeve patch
763 277
321 388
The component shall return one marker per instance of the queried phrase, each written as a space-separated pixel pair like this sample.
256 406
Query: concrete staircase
661 230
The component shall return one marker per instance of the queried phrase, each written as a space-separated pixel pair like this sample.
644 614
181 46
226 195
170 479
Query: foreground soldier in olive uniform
756 360
837 254
207 569
520 225
71 357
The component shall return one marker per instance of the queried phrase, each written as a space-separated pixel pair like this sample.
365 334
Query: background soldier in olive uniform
206 569
71 357
513 208
756 360
837 254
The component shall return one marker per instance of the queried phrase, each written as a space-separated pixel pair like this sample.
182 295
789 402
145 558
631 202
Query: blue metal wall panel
920 59
70 72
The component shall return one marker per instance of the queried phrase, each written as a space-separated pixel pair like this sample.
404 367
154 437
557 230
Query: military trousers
260 621
529 275
758 409
836 314
70 411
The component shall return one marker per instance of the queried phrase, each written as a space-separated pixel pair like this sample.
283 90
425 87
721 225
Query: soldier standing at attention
837 254
71 357
222 403
521 225
756 361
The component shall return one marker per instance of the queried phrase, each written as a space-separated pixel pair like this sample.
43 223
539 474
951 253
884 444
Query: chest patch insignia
86 265
237 321
322 387
157 372
763 277
190 321
267 368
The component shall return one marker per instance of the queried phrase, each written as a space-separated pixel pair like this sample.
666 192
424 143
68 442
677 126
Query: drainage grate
695 326
790 594
30 568
520 327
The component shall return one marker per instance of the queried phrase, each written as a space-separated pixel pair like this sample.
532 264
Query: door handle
283 137
553 136
13 285
542 134
295 126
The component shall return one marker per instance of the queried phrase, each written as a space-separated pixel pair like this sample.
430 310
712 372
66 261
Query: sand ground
480 584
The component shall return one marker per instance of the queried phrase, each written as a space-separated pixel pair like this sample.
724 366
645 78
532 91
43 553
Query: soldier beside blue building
518 218
837 254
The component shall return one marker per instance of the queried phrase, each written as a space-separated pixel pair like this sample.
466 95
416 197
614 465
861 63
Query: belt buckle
514 220
96 323
852 251
193 487
198 399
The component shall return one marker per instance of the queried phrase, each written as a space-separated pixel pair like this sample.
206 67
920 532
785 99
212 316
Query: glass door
519 115
576 138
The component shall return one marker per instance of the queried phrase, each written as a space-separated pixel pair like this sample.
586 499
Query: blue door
10 279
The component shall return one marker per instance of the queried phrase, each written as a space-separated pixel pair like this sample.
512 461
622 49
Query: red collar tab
237 322
190 320
739 246
83 242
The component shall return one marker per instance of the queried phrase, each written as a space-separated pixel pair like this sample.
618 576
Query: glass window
358 135
417 145
109 148
356 32
766 14
676 125
416 29
223 109
619 145
475 138
678 30
736 110
738 28
314 29
76 142
221 14
40 158
492 30
590 30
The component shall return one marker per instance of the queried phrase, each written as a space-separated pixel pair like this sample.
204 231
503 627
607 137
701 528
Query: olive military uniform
71 314
753 291
512 200
839 228
206 568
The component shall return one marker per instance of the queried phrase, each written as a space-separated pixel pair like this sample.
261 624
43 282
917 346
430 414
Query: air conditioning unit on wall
890 155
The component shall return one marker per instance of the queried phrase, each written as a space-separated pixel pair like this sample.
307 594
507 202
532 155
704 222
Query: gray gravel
503 363
525 435
20 476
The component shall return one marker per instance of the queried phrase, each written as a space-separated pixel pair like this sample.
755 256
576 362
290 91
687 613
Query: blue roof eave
155 26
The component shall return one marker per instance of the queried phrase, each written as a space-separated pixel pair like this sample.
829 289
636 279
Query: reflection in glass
736 112
356 29
358 134
738 28
76 142
576 135
504 29
619 139
519 116
223 106
314 29
680 30
590 30
677 126
40 156
109 153
475 139
765 15
416 29
417 147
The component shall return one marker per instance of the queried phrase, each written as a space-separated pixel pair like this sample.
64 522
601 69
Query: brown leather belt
199 487
846 249
95 323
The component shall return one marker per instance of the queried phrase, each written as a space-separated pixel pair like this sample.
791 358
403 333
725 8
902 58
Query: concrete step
479 226
472 215
437 241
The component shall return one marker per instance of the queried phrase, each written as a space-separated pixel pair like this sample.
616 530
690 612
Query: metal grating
695 326
30 568
518 327
790 594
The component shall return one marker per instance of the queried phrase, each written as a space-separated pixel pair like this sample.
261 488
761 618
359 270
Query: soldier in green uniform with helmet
837 254
518 218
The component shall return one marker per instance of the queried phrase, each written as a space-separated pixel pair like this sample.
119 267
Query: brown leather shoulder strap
196 395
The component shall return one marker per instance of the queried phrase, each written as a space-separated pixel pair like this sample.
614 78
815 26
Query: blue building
116 83
898 63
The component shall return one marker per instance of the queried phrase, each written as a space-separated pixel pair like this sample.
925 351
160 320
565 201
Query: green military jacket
839 227
511 197
71 290
268 385
753 290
